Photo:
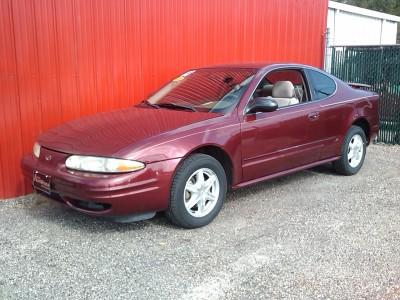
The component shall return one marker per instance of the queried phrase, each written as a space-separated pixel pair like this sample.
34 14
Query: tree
387 6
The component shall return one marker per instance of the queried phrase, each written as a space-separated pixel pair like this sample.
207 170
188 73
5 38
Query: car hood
104 134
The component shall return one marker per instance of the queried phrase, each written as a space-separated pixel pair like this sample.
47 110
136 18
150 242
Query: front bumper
113 195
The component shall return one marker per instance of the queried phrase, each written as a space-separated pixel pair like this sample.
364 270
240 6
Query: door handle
313 116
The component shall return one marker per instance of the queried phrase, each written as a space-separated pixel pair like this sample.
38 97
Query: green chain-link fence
378 66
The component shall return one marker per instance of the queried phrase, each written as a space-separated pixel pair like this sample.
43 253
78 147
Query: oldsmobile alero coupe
206 131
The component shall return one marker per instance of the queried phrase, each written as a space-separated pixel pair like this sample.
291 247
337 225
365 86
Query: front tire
198 192
353 152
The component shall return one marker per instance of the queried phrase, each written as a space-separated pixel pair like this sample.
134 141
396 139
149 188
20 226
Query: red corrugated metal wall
61 59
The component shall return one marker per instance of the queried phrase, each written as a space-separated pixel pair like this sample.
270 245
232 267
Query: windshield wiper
150 104
176 106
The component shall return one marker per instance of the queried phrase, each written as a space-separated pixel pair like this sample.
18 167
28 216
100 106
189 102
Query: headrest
283 89
268 88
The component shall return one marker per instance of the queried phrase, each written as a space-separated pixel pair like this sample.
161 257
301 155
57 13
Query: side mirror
263 104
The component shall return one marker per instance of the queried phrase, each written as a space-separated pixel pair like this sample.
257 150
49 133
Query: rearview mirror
263 104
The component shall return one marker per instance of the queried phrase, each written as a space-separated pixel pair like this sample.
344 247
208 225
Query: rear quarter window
321 85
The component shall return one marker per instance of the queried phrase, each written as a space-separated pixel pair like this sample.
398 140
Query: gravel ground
313 234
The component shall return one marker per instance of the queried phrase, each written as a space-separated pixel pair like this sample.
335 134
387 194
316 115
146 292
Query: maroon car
207 131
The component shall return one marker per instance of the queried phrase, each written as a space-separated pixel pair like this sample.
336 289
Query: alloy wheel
355 151
201 192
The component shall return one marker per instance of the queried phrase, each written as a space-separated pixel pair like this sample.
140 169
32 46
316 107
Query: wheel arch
365 126
219 154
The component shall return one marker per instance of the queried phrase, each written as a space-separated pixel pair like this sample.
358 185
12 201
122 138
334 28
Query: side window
286 86
321 85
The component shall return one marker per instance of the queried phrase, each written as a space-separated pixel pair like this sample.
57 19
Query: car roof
258 66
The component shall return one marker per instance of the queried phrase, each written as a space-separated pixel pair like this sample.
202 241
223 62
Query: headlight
102 164
36 150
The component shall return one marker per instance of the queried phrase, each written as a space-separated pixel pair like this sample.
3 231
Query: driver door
274 142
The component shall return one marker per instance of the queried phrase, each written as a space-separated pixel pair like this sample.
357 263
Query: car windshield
207 90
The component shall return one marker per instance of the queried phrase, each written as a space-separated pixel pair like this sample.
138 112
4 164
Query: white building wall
389 32
351 25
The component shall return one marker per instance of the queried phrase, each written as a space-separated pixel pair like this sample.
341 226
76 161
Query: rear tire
353 152
198 192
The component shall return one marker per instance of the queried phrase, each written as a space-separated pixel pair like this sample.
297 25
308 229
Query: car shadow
326 169
49 211
242 193
39 207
